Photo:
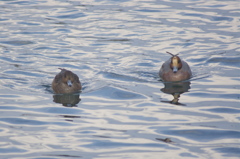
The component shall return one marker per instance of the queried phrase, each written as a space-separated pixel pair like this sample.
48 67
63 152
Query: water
117 48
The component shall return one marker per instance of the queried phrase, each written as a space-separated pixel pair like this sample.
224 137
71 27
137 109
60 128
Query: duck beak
175 69
69 83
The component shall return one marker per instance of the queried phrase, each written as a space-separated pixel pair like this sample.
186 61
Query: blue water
117 48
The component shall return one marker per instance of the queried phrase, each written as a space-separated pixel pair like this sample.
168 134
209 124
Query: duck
66 82
175 69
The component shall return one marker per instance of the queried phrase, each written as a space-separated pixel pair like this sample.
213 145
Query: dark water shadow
67 100
63 156
176 89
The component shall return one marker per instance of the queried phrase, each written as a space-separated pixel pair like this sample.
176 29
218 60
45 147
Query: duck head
67 78
176 63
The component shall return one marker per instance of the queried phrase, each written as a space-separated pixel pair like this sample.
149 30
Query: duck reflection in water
176 89
67 100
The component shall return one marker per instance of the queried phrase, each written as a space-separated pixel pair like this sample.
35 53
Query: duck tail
171 53
62 69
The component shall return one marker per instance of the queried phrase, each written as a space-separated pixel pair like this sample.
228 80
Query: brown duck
175 69
66 82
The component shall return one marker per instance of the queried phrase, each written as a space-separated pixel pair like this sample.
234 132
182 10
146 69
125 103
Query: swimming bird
66 82
175 69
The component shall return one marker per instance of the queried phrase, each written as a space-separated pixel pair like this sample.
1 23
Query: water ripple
116 49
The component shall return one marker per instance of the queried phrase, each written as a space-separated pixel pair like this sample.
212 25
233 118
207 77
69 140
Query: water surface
117 48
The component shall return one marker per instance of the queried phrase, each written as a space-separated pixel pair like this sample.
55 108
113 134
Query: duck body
66 82
174 70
